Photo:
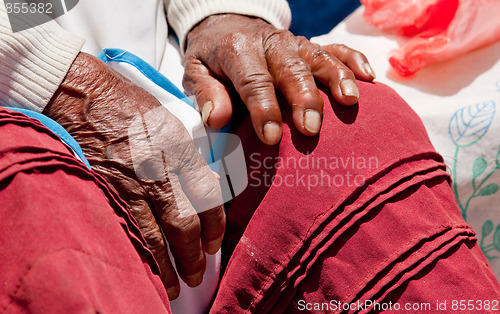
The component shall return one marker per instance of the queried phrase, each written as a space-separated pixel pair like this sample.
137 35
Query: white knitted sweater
33 62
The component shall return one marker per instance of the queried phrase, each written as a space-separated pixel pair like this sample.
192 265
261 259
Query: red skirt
360 218
68 244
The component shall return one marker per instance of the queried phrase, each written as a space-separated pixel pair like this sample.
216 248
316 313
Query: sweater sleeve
183 15
33 62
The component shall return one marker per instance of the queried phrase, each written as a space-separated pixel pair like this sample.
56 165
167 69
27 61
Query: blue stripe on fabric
119 55
57 129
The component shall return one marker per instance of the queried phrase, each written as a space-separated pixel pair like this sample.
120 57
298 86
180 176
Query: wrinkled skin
146 154
256 58
104 111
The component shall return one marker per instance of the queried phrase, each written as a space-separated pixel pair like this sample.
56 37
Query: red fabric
439 30
67 243
397 238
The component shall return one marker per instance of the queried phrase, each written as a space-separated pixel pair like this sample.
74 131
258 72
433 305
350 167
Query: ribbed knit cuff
33 62
183 15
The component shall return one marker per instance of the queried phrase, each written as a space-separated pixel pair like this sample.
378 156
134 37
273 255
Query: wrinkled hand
255 57
146 154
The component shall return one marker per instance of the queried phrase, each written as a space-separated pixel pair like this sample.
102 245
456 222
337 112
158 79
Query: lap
319 236
71 243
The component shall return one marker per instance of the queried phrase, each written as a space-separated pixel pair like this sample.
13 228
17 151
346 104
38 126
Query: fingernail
206 111
272 132
216 175
369 70
312 121
173 292
349 88
213 246
194 280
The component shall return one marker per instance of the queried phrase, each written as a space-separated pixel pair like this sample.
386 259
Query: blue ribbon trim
57 129
119 55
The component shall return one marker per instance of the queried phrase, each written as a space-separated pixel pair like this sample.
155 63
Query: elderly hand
146 154
255 57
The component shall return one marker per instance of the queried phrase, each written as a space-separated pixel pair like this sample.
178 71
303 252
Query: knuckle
322 59
213 191
341 47
233 43
236 37
154 240
347 54
291 70
188 83
321 55
305 43
200 175
256 82
257 91
214 222
185 230
277 38
190 160
303 39
293 66
189 61
211 197
203 92
190 77
277 34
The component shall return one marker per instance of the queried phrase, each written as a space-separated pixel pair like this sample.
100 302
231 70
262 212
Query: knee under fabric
72 244
55 127
361 215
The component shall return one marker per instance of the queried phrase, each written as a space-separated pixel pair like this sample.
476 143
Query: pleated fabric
68 244
359 215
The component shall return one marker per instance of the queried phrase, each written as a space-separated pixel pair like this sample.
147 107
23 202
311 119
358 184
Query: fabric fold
34 153
296 228
61 225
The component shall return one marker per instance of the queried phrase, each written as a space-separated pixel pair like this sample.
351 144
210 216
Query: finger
148 226
156 244
295 80
213 223
353 59
331 72
168 273
201 186
181 225
249 74
211 95
158 247
198 181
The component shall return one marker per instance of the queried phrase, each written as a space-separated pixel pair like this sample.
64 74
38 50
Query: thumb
211 95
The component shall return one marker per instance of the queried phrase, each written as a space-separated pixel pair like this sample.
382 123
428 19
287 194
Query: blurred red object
439 29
